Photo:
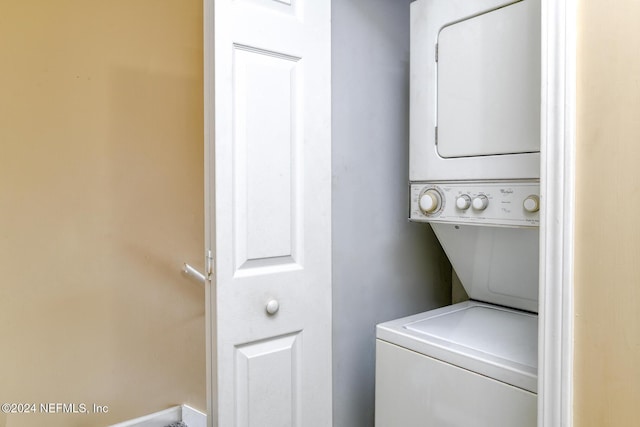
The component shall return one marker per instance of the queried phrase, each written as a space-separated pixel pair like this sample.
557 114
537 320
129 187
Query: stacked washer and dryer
474 176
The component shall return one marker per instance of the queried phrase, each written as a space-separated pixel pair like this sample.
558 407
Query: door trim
557 182
209 200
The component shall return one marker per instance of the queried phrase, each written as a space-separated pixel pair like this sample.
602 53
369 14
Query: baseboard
193 417
184 413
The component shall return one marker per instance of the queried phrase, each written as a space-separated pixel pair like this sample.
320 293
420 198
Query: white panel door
268 151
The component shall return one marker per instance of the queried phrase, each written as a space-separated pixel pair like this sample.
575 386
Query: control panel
515 204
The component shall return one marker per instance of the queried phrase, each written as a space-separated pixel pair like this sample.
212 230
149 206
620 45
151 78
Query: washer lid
493 341
488 329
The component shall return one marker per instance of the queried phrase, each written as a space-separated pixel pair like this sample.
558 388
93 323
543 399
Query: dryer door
488 84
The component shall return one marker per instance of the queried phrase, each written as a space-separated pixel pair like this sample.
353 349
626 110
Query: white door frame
558 188
557 183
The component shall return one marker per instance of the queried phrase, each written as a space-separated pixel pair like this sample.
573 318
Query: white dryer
475 90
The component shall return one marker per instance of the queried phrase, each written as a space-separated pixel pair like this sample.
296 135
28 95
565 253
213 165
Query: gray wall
383 266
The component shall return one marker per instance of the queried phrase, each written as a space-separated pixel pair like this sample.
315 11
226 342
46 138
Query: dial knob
531 203
430 201
463 202
480 202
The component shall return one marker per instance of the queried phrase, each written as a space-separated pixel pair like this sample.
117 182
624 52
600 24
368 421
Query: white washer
473 363
470 364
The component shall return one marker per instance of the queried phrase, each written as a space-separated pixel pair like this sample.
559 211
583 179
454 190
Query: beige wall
607 276
100 202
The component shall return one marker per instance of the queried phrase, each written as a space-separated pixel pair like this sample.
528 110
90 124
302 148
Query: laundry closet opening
435 152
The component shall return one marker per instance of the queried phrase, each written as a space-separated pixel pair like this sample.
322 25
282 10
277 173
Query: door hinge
436 52
209 266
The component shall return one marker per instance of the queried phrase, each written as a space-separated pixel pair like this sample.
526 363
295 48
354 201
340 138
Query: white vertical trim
209 197
555 373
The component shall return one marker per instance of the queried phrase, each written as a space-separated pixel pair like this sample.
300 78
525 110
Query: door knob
273 306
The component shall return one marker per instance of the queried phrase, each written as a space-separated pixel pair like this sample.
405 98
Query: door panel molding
267 164
269 367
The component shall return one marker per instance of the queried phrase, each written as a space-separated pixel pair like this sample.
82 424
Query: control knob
531 203
480 202
430 201
463 202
